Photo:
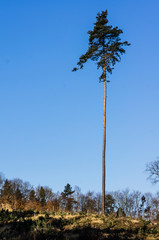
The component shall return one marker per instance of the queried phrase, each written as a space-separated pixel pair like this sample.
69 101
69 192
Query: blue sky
51 118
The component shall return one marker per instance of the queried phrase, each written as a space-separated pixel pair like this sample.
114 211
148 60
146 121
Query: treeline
21 196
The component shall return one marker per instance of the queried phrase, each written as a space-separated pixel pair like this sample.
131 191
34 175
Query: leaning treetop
105 46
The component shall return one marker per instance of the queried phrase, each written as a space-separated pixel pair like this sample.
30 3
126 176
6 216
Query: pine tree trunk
104 145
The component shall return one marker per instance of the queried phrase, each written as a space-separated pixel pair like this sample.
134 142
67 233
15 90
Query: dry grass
91 226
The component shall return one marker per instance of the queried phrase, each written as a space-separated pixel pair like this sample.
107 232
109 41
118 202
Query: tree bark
104 144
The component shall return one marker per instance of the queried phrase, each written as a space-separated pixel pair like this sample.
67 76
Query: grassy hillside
34 226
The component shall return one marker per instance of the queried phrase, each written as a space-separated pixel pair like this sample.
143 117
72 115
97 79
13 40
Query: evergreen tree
32 196
105 47
41 195
109 204
67 198
7 192
18 199
67 190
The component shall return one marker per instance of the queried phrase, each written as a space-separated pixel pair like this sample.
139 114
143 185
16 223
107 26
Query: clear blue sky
51 119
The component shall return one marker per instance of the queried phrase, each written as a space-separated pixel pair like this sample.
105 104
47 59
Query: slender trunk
143 212
104 144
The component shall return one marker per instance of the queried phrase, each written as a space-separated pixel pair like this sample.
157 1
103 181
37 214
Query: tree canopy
105 45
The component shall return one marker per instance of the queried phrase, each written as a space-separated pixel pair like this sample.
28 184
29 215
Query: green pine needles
105 46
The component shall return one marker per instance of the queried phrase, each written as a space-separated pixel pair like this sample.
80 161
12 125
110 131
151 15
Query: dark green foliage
6 216
47 215
105 45
32 196
145 227
148 212
109 204
18 194
67 199
141 209
42 196
7 189
120 212
67 190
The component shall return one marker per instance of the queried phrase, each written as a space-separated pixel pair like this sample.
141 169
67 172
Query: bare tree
2 178
153 170
136 195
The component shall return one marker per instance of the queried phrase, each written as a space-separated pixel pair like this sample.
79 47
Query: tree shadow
54 229
89 233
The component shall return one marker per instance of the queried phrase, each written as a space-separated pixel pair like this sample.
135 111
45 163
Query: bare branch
153 170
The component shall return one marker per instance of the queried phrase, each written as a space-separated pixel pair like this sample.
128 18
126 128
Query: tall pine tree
105 47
